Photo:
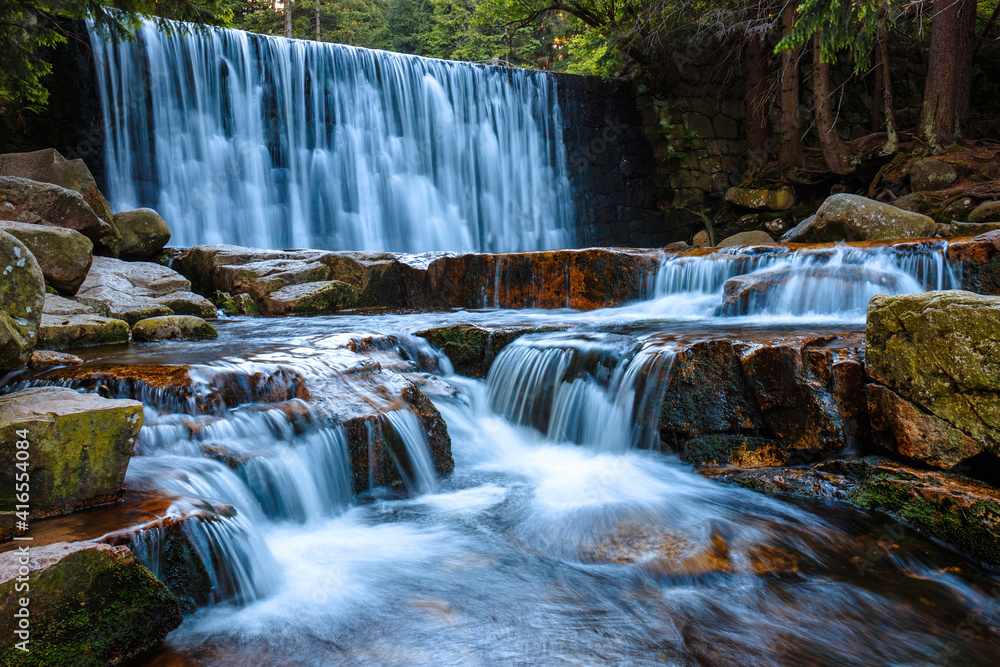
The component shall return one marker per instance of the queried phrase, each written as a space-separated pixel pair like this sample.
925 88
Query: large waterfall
268 142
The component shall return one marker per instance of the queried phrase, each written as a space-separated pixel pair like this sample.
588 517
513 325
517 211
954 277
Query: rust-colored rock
42 360
980 258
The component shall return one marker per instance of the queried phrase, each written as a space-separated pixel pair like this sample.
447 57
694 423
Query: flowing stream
559 539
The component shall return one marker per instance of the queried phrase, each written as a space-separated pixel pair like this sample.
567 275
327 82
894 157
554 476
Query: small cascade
601 390
772 281
417 468
274 143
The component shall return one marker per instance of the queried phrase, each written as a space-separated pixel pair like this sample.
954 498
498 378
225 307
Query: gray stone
931 174
22 293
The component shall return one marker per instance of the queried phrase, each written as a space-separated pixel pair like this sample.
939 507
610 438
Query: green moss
93 607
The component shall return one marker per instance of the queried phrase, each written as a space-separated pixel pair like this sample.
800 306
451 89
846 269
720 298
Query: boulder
701 240
472 349
48 166
310 298
781 199
24 200
931 174
986 212
915 201
64 255
134 291
70 324
755 237
90 604
853 218
903 428
79 446
240 304
173 327
43 360
22 293
940 352
958 210
961 512
955 230
143 232
979 258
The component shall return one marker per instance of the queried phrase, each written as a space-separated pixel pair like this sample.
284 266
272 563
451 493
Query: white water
262 141
810 285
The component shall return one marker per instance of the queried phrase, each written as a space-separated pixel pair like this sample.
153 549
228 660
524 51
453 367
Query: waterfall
263 141
812 283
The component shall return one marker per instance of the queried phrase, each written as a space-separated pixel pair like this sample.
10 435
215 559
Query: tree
30 28
948 89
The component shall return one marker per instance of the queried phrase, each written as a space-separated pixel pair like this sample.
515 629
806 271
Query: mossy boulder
79 446
986 212
940 351
931 174
48 166
68 324
143 232
781 199
64 255
22 293
90 605
313 298
847 217
24 200
234 305
173 327
473 349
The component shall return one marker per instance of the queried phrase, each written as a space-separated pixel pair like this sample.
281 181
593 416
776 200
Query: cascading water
813 284
241 138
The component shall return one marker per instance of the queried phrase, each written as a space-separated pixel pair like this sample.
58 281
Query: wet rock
42 360
958 210
64 255
853 218
931 174
755 237
91 604
940 351
473 349
956 510
241 304
23 200
756 403
48 166
915 201
173 327
781 199
143 232
986 212
776 227
980 261
79 444
68 324
134 291
184 389
901 427
22 293
310 298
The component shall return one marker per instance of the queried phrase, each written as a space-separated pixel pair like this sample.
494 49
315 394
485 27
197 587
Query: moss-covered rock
143 232
64 255
173 327
68 324
22 293
941 352
79 446
733 449
986 212
781 199
234 305
310 298
846 217
473 349
90 604
931 174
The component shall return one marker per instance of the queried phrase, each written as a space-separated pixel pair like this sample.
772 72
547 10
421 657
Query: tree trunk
288 18
948 89
790 148
892 134
838 158
758 69
317 22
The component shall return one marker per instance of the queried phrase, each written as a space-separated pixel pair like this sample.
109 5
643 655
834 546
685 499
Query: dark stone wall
611 165
72 123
